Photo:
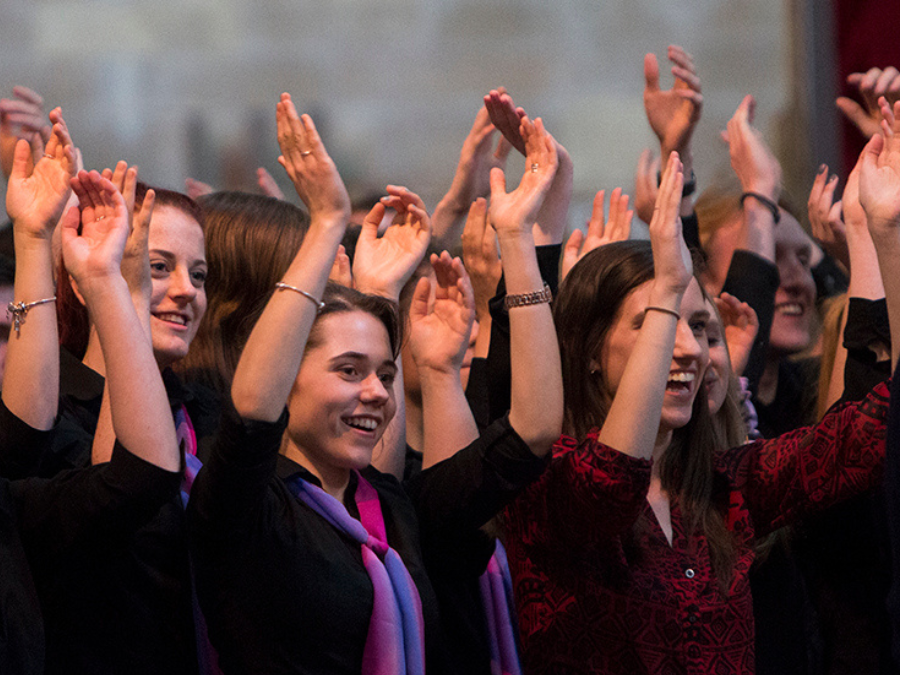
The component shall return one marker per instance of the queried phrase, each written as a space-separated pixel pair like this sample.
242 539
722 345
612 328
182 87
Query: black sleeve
21 446
830 278
867 323
118 496
228 494
460 494
690 230
892 499
754 280
498 360
477 393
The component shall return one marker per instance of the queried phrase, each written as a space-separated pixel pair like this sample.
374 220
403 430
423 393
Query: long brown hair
590 300
250 242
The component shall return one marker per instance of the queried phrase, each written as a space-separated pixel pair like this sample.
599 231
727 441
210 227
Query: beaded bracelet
19 310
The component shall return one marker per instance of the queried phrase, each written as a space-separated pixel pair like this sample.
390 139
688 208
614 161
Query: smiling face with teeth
178 271
792 324
343 397
689 360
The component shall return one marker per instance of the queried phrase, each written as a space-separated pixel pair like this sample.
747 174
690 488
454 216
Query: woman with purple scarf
307 558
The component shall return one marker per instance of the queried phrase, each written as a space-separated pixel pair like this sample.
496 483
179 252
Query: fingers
268 185
400 199
595 224
421 304
371 222
505 117
21 160
498 183
854 112
651 73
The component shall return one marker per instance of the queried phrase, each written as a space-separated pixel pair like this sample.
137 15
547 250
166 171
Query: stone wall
189 87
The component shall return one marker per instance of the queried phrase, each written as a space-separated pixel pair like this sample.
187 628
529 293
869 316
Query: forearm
536 400
271 358
632 424
31 378
554 212
758 231
888 248
448 220
391 456
141 417
447 420
104 436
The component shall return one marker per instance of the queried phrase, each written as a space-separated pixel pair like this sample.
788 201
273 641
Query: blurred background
188 87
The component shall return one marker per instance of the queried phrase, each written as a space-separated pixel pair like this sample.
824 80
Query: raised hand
35 198
673 113
195 189
513 212
309 166
671 258
22 117
94 255
825 217
268 185
340 269
472 179
382 265
617 228
645 188
751 159
552 216
480 256
872 85
740 325
879 178
440 324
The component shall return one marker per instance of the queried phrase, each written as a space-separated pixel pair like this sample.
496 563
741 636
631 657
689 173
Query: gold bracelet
19 310
664 311
309 296
533 298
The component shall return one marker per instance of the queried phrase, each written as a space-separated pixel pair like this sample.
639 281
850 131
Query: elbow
538 432
251 405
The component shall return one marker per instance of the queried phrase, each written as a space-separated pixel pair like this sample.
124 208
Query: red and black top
600 590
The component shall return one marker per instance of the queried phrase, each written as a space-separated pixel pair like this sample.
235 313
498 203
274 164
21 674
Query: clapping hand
617 228
740 324
872 85
825 217
440 324
673 113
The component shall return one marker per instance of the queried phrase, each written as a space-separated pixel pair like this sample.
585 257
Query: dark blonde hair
250 243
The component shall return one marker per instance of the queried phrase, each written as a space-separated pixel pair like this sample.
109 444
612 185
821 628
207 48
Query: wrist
389 292
666 296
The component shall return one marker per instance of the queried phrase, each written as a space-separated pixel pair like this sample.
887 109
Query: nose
688 346
181 286
374 391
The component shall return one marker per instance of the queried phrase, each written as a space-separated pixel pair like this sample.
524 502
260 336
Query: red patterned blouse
600 590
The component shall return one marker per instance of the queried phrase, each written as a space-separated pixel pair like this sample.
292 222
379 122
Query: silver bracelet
19 310
534 298
309 296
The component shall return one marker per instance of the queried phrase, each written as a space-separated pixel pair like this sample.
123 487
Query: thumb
651 72
853 111
21 160
418 306
498 183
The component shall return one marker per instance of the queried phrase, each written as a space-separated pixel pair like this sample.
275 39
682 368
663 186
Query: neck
93 355
415 423
334 480
768 381
663 439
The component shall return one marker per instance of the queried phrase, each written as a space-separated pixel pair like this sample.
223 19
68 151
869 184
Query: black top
119 603
284 591
43 520
892 494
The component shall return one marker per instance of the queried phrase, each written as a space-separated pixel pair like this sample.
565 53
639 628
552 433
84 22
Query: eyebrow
359 356
168 254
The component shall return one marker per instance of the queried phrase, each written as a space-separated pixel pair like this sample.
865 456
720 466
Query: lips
681 382
790 309
362 422
172 317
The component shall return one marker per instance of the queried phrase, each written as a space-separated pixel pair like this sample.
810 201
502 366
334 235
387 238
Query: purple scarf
395 644
500 612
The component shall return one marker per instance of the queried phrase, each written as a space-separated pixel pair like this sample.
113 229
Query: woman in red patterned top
631 553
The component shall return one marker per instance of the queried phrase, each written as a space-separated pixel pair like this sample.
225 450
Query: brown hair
832 312
588 306
250 243
74 323
339 299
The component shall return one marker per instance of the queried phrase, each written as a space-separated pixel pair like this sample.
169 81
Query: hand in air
671 258
480 256
879 178
22 117
825 217
752 160
617 228
382 265
35 197
440 323
673 113
740 325
872 85
94 256
309 166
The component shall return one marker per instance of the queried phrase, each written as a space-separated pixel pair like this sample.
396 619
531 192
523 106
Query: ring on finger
305 153
535 167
